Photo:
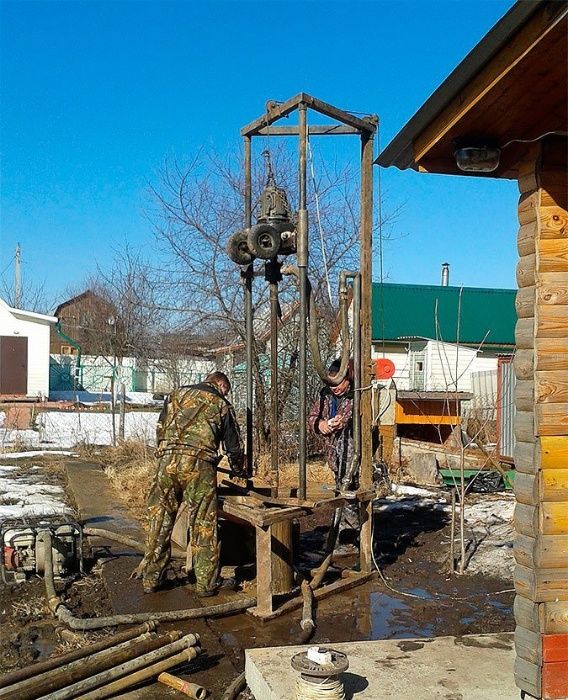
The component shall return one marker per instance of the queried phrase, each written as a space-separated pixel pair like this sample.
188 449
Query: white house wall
443 362
37 331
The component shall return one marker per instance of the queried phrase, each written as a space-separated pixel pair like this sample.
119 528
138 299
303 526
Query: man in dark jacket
331 416
194 421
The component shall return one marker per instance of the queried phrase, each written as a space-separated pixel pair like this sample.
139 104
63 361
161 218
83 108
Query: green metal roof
410 311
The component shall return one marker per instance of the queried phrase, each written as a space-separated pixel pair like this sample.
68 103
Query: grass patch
130 468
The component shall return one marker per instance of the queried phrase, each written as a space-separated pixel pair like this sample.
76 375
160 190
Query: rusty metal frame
349 124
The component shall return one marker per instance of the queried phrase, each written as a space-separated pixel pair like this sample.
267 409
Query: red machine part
11 558
384 368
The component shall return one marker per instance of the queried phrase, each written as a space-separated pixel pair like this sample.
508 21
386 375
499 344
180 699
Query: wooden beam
278 111
314 130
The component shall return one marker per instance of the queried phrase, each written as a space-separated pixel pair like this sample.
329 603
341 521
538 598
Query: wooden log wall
541 424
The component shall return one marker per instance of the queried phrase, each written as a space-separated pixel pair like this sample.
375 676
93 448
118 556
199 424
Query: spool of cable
320 670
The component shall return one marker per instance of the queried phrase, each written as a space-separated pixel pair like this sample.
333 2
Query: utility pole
17 277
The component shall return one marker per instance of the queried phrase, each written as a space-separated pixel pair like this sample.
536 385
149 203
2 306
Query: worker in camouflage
193 423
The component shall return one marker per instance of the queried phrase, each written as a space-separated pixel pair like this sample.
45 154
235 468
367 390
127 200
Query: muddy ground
417 597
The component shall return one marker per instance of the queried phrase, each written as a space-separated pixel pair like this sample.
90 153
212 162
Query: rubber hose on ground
236 687
115 536
95 623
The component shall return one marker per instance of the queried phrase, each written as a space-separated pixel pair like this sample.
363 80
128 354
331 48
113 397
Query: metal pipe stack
104 668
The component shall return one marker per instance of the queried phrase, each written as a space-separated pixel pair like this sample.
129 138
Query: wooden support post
263 571
281 557
541 425
366 266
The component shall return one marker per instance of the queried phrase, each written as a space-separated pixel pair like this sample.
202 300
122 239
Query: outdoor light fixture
475 159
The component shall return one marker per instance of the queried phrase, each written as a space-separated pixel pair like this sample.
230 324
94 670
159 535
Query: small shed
24 352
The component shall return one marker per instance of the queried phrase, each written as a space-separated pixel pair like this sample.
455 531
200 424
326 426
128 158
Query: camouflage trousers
182 477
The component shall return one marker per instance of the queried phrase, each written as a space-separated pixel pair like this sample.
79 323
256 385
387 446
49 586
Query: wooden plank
263 571
554 452
553 222
526 613
524 302
552 552
524 395
526 271
554 520
523 364
527 489
552 288
554 648
551 419
553 255
528 645
524 550
554 617
541 585
542 551
553 196
555 680
281 547
524 333
551 387
526 457
552 321
524 426
527 676
526 238
529 203
526 520
552 353
553 486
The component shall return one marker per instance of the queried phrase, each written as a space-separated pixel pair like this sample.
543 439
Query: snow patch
71 428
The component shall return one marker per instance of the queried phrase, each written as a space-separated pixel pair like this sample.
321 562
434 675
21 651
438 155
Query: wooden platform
272 519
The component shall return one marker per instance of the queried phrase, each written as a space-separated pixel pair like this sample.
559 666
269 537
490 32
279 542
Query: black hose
319 366
95 623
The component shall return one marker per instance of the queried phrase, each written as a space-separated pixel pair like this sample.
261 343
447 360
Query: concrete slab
473 667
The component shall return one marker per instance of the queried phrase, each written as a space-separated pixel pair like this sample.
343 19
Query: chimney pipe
445 274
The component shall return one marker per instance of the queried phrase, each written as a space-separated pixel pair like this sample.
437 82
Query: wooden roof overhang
512 87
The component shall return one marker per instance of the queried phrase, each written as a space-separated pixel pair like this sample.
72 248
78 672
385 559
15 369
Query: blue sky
95 94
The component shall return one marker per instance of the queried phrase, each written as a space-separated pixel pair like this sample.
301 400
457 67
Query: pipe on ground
60 677
145 674
124 669
307 622
36 669
93 623
192 690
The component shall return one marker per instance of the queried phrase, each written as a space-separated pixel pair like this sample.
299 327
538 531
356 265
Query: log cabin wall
541 425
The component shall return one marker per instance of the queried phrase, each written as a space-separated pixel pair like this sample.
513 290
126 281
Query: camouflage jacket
197 419
339 445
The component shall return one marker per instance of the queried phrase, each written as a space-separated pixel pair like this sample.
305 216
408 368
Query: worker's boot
225 584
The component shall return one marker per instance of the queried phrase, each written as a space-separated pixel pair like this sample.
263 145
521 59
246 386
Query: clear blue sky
95 94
